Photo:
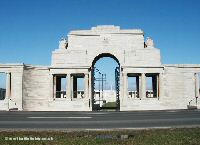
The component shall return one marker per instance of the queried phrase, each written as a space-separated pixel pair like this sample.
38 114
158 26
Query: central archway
101 103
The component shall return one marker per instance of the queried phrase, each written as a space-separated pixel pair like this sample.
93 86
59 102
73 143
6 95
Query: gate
100 80
93 88
117 86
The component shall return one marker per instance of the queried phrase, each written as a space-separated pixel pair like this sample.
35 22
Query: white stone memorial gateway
38 88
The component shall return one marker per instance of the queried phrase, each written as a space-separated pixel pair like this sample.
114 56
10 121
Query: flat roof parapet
28 66
183 65
106 29
3 65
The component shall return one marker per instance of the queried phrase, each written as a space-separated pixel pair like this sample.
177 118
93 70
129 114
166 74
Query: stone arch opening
102 97
105 55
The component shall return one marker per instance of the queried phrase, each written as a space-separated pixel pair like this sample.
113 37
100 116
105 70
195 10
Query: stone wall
36 88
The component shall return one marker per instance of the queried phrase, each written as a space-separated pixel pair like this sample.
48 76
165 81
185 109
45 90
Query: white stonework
36 88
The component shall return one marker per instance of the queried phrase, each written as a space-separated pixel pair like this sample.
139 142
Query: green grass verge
109 104
187 136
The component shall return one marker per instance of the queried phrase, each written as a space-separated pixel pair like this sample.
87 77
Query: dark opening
78 86
61 85
133 85
152 85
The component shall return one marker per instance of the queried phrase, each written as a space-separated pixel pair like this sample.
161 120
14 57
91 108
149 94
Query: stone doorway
105 84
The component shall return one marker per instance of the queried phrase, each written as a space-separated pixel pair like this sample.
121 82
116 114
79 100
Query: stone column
121 89
8 85
51 92
143 86
68 89
196 85
157 85
90 86
125 85
54 87
140 86
86 86
71 87
160 86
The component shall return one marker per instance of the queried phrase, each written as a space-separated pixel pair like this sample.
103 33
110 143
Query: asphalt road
99 120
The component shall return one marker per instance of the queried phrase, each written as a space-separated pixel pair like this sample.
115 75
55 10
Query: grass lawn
187 136
110 104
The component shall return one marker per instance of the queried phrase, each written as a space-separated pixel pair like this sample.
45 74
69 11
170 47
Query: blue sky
31 29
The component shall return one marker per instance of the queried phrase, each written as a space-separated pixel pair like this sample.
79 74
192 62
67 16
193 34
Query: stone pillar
125 82
160 86
157 85
51 92
121 89
140 86
8 85
90 85
68 89
71 86
86 86
196 85
143 86
54 87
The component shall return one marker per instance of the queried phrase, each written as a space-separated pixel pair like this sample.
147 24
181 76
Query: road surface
99 120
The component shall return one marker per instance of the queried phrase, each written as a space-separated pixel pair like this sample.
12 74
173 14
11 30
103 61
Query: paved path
99 120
